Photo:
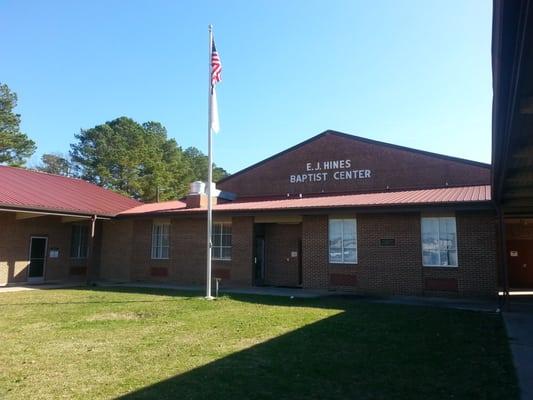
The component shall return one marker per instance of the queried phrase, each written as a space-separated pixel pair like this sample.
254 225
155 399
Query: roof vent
197 187
197 196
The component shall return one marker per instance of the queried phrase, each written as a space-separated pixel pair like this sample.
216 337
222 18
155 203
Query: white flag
215 126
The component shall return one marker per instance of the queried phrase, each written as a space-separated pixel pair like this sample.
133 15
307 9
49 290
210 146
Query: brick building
50 226
335 212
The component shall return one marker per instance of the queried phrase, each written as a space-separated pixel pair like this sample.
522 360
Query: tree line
132 158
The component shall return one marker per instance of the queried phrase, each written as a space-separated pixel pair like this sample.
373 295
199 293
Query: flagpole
209 169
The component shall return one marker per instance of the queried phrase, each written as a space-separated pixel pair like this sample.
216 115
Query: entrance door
37 259
520 263
259 261
282 264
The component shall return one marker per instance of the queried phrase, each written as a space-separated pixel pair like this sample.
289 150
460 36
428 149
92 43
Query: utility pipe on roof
93 223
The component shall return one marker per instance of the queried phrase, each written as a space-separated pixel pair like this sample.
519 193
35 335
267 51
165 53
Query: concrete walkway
519 324
441 302
38 286
455 303
268 291
458 303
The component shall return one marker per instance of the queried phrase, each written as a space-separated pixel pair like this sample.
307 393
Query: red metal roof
455 195
166 206
32 190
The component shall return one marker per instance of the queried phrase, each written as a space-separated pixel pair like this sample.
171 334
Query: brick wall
15 243
391 168
315 252
241 253
398 269
187 262
381 269
115 256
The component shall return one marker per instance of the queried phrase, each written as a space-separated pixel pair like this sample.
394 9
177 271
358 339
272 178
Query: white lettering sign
338 170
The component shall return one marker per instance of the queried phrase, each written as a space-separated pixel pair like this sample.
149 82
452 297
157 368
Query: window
160 240
221 238
343 241
78 241
439 242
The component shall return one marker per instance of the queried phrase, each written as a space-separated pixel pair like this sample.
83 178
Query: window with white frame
79 241
160 240
221 239
343 241
439 242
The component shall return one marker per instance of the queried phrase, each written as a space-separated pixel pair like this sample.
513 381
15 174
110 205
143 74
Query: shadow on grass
367 351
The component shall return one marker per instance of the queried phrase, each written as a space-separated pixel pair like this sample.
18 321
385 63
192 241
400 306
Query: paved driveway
519 324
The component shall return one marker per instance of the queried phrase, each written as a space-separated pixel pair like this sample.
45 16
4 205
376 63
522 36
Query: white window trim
222 223
342 249
422 243
152 247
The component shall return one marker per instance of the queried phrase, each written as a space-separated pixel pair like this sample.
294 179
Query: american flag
216 66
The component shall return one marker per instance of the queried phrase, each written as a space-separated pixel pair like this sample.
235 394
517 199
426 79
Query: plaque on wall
54 252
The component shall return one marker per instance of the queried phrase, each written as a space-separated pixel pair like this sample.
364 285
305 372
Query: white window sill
440 266
343 263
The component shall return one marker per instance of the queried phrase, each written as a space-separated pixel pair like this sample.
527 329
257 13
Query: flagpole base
209 298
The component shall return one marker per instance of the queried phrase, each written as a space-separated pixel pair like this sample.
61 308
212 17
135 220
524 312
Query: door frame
40 278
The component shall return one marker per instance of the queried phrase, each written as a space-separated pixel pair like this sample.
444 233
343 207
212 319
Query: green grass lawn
156 344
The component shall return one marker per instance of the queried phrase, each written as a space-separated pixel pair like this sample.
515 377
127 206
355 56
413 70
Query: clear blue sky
414 73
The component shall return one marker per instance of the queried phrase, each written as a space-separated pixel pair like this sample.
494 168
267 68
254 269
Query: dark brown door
259 261
520 263
282 255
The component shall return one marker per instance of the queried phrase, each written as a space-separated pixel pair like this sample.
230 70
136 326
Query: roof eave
56 212
463 205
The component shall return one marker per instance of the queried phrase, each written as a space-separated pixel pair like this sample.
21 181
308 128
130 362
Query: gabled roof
426 197
23 189
360 139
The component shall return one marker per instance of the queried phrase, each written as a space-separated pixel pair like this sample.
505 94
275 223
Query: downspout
90 260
